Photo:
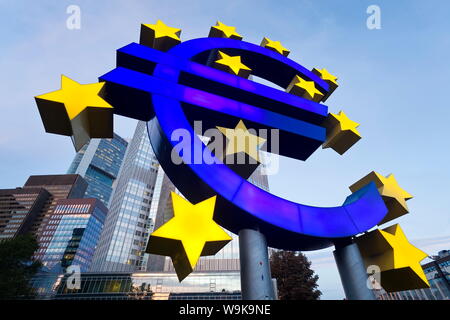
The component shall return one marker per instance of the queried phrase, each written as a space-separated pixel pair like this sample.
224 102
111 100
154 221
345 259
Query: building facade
71 234
27 209
99 162
126 232
19 209
140 286
438 275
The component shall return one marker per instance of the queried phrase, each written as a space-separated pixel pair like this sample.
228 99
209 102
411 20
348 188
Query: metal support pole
352 271
256 282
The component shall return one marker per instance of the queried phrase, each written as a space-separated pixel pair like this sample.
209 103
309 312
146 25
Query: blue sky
393 81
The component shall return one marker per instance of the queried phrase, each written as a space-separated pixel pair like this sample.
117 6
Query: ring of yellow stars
393 195
328 78
274 46
221 30
76 110
191 233
397 258
159 36
341 132
240 139
305 89
232 64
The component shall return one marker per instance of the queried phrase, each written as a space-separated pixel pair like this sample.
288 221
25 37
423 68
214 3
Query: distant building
19 209
99 162
27 209
438 275
71 234
126 232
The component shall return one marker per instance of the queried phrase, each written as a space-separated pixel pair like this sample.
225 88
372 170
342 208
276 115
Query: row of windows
73 208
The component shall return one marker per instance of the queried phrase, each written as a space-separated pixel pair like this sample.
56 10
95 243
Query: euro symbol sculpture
171 85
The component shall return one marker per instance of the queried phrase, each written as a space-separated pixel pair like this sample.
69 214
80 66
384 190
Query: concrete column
352 271
256 282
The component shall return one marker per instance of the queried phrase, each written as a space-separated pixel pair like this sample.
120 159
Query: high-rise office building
66 186
438 275
142 202
122 244
71 234
19 208
99 162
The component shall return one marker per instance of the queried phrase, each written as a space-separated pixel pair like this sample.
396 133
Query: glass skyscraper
99 162
122 244
71 234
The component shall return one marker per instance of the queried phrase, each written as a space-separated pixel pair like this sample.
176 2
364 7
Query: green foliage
17 267
295 279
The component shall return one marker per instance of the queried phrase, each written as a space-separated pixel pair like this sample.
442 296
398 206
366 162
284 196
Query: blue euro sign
171 89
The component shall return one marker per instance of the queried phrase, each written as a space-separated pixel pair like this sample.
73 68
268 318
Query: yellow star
76 110
397 258
393 195
305 89
341 132
191 233
159 36
345 123
221 30
232 64
325 75
274 46
241 140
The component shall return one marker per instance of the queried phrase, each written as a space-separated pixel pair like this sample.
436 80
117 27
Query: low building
140 286
19 209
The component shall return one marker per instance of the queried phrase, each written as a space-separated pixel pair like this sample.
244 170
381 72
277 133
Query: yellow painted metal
274 46
305 89
241 140
76 110
191 233
397 259
328 78
159 36
221 30
393 195
232 64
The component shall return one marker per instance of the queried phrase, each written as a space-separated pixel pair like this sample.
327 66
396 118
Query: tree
17 267
295 279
